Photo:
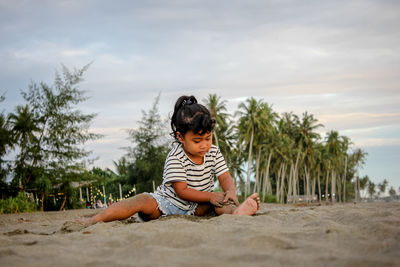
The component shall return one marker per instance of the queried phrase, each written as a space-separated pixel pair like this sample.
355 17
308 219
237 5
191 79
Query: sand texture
364 234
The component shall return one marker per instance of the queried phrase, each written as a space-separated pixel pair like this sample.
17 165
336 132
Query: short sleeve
174 171
220 166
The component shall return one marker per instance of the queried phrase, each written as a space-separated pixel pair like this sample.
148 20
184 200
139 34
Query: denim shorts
167 208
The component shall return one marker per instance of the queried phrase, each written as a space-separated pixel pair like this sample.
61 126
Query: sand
363 234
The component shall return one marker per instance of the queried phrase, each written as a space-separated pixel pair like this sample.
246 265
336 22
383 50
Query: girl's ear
180 136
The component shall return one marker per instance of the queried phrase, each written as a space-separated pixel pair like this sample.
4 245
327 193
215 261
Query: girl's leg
202 209
248 207
143 203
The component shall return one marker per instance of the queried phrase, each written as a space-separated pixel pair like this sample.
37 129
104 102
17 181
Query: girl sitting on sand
188 183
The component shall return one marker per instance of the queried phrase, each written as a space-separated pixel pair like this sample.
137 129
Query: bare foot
249 206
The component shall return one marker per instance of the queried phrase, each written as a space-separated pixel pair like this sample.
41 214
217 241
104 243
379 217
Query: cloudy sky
339 60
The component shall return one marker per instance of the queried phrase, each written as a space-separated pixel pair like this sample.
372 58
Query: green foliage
49 132
6 142
17 204
149 152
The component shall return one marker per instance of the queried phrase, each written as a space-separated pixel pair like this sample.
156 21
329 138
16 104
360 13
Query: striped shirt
180 168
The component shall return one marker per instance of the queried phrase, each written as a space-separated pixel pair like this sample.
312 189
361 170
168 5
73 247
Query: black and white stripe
180 168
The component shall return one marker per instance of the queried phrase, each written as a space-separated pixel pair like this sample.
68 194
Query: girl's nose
203 145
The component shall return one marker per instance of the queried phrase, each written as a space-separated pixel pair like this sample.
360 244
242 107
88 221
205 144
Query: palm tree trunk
247 187
257 184
294 187
339 186
333 188
267 181
306 184
278 182
326 185
290 184
319 186
344 180
282 195
313 188
356 191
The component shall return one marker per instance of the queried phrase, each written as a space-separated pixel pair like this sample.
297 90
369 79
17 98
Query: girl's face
196 145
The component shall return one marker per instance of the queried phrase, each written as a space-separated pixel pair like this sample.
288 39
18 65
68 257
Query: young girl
189 170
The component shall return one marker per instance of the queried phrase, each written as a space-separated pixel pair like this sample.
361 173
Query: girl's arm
227 184
194 195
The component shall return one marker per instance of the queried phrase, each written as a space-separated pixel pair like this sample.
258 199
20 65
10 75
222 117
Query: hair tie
186 102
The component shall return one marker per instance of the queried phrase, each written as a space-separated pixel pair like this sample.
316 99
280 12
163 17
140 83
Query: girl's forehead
199 134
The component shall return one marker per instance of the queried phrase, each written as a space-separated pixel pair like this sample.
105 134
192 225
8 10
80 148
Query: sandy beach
363 234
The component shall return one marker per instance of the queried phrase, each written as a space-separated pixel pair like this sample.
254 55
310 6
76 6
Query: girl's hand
217 199
231 195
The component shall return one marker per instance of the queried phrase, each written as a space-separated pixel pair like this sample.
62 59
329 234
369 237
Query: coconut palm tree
371 189
392 192
335 147
288 134
359 160
263 138
217 109
250 123
6 143
382 187
24 131
305 142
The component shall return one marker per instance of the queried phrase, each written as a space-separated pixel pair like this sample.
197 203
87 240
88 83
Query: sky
338 60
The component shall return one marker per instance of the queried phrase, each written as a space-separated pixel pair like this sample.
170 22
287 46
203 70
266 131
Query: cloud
73 53
349 121
338 61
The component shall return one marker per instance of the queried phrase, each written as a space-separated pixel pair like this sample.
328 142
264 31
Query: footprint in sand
70 226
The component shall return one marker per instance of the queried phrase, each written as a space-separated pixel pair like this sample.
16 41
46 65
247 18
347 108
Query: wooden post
87 194
80 194
104 195
120 192
154 186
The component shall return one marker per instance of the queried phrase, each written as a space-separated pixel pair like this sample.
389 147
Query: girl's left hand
231 195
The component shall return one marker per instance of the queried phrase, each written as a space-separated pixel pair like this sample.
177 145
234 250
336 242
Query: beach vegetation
17 204
149 150
49 132
285 157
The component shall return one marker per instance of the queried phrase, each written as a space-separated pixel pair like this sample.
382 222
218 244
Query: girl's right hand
217 199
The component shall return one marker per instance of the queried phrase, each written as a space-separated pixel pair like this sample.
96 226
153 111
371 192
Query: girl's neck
195 159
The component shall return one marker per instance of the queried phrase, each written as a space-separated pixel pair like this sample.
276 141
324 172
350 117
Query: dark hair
190 115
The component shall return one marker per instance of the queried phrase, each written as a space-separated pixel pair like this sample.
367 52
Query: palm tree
392 192
271 147
371 189
263 138
288 134
359 160
5 143
250 122
336 145
23 130
305 142
382 187
217 109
